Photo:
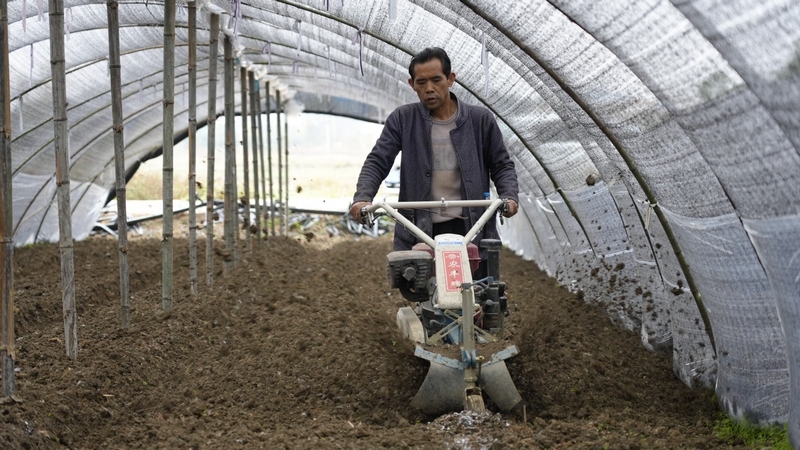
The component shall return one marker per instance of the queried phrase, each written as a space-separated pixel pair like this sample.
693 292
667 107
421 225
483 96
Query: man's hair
429 54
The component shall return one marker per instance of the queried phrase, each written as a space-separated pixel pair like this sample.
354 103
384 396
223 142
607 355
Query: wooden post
60 140
286 173
167 242
6 216
280 165
230 174
213 52
112 7
192 147
269 158
245 160
253 118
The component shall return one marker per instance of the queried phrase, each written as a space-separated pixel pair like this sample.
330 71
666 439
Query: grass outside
738 433
325 157
311 176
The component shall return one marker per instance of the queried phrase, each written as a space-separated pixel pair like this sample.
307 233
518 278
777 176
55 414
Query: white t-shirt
446 181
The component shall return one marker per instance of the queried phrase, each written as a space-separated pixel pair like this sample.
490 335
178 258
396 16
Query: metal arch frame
396 46
622 152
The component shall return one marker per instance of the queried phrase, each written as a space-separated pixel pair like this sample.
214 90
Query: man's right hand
355 210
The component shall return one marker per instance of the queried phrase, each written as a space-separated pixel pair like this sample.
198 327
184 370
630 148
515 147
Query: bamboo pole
167 243
230 175
280 162
286 172
192 147
6 216
245 160
253 119
269 157
61 129
213 53
112 8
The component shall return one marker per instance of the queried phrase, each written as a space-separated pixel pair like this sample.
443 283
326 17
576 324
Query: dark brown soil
298 348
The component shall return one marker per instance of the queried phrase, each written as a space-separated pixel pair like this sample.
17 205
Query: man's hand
512 208
355 210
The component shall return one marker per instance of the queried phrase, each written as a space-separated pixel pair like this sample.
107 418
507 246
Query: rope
268 50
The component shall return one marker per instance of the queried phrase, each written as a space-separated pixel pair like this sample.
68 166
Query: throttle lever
367 218
503 210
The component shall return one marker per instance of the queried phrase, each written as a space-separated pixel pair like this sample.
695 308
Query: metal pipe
192 147
410 226
6 216
496 203
251 78
230 155
468 332
211 119
115 69
61 130
436 204
389 207
245 160
167 242
493 247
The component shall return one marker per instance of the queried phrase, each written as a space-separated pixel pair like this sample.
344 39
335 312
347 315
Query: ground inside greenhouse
298 348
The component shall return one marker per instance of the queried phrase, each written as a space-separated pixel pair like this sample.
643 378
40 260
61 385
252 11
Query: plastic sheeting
656 142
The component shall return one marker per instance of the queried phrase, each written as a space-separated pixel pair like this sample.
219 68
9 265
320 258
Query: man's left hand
512 208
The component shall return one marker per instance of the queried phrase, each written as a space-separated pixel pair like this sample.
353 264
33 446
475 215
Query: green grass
147 186
733 432
310 177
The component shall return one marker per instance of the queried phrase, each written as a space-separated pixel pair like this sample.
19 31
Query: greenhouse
656 145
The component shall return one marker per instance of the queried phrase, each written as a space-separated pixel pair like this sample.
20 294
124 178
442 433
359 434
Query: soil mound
298 348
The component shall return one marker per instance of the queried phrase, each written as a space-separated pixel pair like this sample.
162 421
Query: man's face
431 85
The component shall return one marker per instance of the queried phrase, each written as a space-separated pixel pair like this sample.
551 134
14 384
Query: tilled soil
298 348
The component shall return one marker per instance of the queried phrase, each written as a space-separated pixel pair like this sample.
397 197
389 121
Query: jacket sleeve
379 161
502 170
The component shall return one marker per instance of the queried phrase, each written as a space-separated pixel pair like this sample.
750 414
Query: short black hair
427 55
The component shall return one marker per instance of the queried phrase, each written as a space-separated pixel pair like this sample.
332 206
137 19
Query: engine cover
409 271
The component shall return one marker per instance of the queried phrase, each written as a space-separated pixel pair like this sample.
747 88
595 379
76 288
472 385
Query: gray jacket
481 155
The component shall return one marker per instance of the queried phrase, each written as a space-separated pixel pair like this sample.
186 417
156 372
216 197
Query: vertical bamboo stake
230 183
6 217
269 157
60 125
280 166
213 51
245 160
253 117
112 8
286 172
192 147
167 243
262 159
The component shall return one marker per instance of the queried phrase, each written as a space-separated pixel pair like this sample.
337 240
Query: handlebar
368 214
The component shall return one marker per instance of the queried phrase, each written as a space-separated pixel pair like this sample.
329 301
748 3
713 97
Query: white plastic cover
651 138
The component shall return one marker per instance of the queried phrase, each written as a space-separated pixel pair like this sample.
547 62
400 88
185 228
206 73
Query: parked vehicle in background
392 181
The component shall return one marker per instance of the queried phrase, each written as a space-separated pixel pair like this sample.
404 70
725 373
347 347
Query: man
449 150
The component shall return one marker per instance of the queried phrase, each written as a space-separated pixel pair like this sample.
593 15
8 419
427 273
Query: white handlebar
444 204
391 209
